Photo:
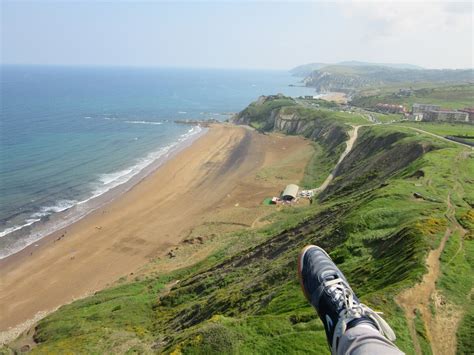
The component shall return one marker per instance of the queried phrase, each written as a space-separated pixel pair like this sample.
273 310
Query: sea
73 138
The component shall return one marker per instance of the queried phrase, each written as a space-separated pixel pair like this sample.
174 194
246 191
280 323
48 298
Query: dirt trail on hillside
419 296
442 324
349 145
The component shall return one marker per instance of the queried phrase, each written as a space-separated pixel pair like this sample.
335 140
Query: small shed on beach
290 192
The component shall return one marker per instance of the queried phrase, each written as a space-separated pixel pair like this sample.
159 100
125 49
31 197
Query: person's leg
365 340
351 327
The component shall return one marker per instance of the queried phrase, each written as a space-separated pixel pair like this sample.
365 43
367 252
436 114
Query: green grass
447 96
388 117
457 269
421 335
117 318
311 114
443 129
259 112
319 166
350 118
465 334
245 297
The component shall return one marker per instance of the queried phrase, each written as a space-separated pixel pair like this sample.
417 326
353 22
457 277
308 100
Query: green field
449 96
443 129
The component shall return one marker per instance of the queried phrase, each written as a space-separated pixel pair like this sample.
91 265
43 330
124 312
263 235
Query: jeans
365 340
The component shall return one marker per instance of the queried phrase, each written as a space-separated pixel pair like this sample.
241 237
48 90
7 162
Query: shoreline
59 221
213 174
214 177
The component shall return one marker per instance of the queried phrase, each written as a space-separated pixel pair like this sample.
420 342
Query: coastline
140 225
62 219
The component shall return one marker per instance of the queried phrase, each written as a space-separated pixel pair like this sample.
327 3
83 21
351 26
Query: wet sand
137 227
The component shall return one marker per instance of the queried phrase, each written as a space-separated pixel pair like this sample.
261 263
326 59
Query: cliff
352 78
283 114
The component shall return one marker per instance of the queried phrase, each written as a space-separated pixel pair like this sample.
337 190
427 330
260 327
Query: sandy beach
338 97
216 172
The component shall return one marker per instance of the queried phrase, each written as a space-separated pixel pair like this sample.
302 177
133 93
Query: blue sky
231 34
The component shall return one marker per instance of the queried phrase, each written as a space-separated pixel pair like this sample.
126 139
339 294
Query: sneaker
328 291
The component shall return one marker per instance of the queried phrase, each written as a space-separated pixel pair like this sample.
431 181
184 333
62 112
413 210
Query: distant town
428 112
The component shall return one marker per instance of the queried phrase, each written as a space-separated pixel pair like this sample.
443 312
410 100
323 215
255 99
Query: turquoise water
68 135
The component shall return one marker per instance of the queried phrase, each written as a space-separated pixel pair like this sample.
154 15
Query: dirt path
441 325
419 296
349 145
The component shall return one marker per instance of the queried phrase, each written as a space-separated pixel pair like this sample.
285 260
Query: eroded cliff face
325 132
326 82
290 120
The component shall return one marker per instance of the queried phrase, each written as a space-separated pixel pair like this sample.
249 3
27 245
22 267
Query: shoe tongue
330 277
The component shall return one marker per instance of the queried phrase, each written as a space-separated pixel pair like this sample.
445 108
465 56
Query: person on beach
351 327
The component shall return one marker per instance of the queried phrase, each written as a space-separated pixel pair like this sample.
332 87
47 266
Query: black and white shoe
328 291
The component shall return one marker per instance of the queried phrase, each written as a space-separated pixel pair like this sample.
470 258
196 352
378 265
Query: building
422 108
404 92
445 116
390 108
290 192
470 112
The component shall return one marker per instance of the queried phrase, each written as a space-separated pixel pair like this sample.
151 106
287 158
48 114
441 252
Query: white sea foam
29 222
182 112
59 206
144 122
111 180
105 183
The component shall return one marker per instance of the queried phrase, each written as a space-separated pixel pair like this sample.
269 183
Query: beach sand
339 97
213 175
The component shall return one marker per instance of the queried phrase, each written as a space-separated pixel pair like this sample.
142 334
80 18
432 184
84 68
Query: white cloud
389 18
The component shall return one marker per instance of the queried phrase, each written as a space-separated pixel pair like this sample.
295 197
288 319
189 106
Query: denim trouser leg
365 340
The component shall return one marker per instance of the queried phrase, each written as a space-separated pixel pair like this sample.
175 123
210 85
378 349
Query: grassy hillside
245 298
447 96
356 78
442 128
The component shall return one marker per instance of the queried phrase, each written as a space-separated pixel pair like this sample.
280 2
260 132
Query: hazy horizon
236 35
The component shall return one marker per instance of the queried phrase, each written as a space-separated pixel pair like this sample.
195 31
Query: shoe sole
300 266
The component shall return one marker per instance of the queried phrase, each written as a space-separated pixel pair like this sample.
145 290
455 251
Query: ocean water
69 135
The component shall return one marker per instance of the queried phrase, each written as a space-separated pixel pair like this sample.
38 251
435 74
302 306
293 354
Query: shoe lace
351 309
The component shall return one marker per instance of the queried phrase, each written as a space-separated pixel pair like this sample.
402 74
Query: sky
236 34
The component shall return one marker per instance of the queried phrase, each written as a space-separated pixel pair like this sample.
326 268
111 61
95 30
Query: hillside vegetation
306 69
246 299
447 96
350 78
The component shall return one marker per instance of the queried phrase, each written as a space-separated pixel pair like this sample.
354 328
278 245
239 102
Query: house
390 108
470 112
290 192
445 116
421 108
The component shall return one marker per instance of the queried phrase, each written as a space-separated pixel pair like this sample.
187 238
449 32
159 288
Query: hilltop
306 69
351 77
